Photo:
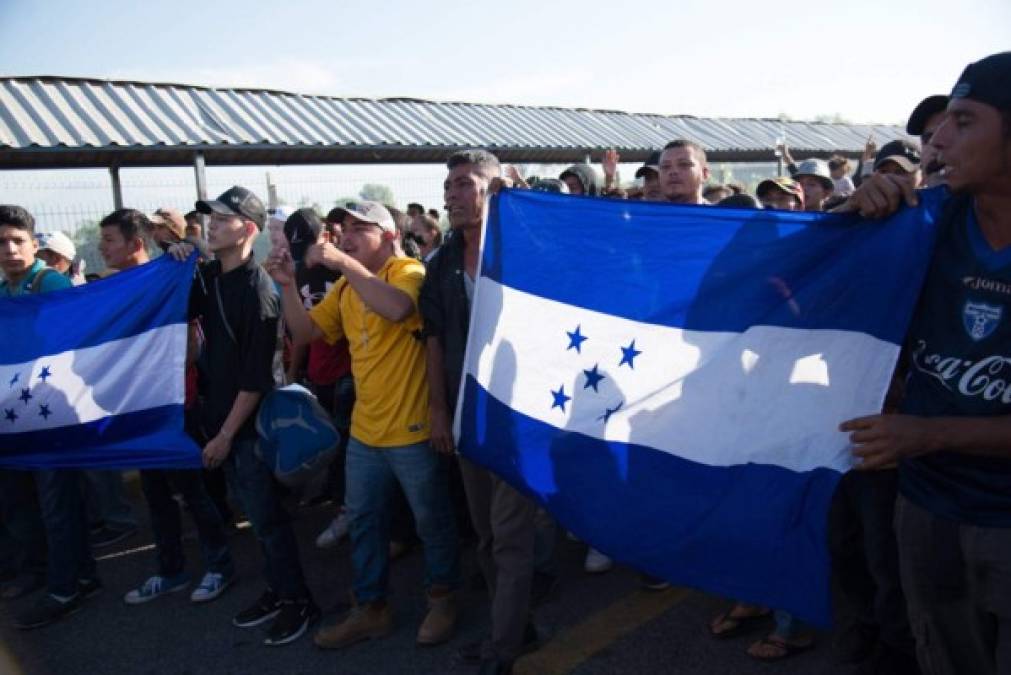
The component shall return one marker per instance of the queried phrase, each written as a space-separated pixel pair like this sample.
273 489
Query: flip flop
738 625
785 649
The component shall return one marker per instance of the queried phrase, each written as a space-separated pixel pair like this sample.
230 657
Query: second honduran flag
669 380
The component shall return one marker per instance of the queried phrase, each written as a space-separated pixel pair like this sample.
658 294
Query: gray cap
369 212
817 168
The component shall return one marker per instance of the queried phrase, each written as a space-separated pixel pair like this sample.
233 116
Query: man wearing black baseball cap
238 309
952 440
923 122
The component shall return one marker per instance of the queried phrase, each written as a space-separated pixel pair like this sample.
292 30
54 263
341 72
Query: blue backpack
297 438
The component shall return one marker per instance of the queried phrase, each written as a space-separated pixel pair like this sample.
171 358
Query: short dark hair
691 145
132 223
480 158
434 213
13 215
192 217
836 162
416 205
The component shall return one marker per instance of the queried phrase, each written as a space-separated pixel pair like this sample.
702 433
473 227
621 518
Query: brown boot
440 621
365 622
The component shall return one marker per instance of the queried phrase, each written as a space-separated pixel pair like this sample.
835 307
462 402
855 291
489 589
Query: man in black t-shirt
953 438
239 308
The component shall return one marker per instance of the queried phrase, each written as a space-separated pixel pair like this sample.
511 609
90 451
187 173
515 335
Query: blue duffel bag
297 438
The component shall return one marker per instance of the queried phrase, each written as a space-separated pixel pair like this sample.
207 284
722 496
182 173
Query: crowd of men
370 308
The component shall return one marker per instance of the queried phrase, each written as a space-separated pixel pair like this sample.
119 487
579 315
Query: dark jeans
957 579
253 484
106 500
167 524
865 558
22 533
62 502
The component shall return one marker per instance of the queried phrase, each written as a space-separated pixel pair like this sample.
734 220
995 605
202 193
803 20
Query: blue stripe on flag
735 268
122 305
750 532
149 439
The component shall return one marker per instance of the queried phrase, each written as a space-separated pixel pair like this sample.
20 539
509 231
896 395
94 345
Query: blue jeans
371 476
253 484
66 522
167 525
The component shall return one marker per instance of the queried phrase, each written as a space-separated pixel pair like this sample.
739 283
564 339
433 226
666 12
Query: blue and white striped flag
669 380
93 376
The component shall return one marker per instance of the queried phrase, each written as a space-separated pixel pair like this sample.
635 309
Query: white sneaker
211 586
335 531
596 562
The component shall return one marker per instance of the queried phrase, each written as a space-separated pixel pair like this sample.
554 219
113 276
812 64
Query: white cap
57 242
280 213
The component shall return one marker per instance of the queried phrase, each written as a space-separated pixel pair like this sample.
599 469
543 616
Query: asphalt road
597 624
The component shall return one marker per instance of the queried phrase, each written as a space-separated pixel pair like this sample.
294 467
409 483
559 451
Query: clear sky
865 60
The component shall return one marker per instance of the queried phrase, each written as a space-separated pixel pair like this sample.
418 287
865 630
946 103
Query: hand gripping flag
93 376
668 380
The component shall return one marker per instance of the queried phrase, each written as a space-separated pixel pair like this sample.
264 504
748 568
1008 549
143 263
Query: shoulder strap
221 311
35 285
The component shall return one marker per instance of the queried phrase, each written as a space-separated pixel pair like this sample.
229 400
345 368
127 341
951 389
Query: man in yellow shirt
374 305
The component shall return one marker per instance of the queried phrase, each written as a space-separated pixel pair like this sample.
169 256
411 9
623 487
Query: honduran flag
668 380
93 376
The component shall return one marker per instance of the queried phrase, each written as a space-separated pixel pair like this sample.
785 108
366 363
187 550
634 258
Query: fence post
201 176
117 187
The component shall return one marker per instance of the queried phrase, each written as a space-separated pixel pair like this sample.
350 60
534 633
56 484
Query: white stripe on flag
770 395
74 387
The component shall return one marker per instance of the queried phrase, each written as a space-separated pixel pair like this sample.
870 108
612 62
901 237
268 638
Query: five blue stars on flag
593 376
11 415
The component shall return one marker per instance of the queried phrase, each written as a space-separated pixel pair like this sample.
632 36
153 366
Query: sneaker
293 619
365 622
596 562
335 531
266 608
440 621
156 587
211 586
89 588
49 609
107 536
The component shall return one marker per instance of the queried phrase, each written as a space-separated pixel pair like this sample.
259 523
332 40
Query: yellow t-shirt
387 360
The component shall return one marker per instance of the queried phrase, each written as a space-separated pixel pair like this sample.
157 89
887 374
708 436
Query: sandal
737 625
778 649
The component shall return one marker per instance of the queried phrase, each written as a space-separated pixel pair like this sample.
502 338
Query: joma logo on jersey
981 319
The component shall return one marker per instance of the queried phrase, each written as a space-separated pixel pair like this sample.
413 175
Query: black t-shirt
238 355
313 283
959 350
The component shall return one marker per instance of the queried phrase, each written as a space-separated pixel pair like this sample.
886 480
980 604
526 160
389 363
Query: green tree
376 192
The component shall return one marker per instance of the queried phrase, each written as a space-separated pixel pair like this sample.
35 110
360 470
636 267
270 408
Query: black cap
923 111
302 230
903 153
652 163
236 201
987 81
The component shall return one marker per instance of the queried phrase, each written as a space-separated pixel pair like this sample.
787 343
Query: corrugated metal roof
52 122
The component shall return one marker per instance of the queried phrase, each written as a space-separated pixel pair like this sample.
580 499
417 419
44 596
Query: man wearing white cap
58 252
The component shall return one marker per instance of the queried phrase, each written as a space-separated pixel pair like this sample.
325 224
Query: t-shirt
49 281
959 349
387 358
238 355
326 363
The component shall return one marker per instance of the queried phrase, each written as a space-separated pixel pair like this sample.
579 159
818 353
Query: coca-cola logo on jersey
987 378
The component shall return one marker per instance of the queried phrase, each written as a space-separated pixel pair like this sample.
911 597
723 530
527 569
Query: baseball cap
987 81
923 111
171 219
57 242
370 212
652 163
787 185
817 168
302 229
236 201
278 213
903 153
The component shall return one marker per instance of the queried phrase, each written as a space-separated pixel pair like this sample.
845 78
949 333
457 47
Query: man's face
973 146
414 212
779 199
17 250
53 259
682 175
116 250
815 193
362 241
465 191
928 153
275 231
651 190
574 184
225 232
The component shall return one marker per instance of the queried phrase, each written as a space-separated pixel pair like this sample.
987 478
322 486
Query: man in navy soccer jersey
953 437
